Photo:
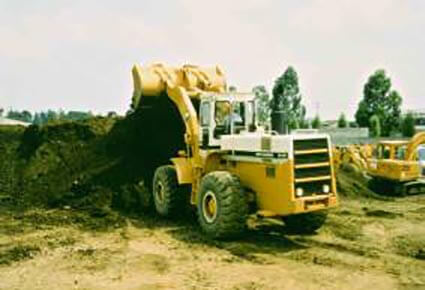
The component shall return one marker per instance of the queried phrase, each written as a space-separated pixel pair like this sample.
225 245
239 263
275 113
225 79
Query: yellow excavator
203 146
397 166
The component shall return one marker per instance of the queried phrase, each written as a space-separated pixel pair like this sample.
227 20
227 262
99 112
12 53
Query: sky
78 54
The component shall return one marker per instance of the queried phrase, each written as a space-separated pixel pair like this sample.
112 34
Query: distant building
419 116
330 124
10 122
341 136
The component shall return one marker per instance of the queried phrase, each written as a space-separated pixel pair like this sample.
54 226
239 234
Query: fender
184 170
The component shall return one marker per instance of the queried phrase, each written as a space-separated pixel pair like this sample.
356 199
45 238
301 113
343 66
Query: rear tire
168 196
222 205
305 223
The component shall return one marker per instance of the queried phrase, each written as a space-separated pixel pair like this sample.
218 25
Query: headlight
299 192
326 188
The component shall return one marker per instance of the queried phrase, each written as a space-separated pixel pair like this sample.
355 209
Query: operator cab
225 114
391 150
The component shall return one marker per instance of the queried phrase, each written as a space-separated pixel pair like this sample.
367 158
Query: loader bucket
153 80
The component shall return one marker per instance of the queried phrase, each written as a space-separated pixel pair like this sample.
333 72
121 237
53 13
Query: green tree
51 115
37 119
263 99
61 114
112 114
78 115
375 126
287 98
392 117
24 116
380 100
408 126
342 121
353 124
316 123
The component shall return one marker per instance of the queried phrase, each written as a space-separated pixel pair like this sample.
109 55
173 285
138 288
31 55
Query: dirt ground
73 215
366 243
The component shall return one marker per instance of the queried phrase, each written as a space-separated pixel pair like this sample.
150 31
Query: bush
408 126
375 126
342 121
316 123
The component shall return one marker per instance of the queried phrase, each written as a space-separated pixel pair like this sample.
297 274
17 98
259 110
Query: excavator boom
412 147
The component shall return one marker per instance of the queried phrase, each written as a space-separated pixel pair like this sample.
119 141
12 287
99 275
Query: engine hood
265 143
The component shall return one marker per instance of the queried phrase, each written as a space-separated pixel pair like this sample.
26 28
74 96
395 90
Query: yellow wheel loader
203 145
397 166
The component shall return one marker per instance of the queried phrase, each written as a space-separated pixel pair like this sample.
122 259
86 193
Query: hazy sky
77 54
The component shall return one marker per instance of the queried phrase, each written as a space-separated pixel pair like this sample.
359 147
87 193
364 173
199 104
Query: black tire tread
175 195
232 205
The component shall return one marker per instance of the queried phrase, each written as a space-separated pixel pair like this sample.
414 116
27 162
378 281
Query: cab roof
394 142
236 96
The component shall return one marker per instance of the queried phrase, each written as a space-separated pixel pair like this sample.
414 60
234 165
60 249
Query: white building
10 122
419 115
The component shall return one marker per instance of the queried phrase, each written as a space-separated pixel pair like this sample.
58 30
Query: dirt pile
10 138
355 184
86 164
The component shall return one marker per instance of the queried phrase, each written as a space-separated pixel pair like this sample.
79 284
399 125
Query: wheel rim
159 192
209 207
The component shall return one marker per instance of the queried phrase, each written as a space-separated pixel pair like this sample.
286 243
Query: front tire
222 205
169 198
305 223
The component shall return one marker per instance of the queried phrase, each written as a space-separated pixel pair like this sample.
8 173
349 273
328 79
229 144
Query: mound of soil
91 164
10 139
355 184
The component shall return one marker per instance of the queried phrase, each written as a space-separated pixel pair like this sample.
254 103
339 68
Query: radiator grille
312 166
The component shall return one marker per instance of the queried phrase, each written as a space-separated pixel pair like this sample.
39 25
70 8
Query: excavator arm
412 147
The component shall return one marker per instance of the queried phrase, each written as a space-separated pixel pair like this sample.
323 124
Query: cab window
222 109
205 114
401 153
238 114
384 152
250 113
421 154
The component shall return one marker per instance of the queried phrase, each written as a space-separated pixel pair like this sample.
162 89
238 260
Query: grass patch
18 253
347 228
412 245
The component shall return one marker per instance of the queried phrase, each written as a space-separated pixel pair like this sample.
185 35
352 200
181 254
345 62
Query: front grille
312 172
311 158
310 144
312 167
